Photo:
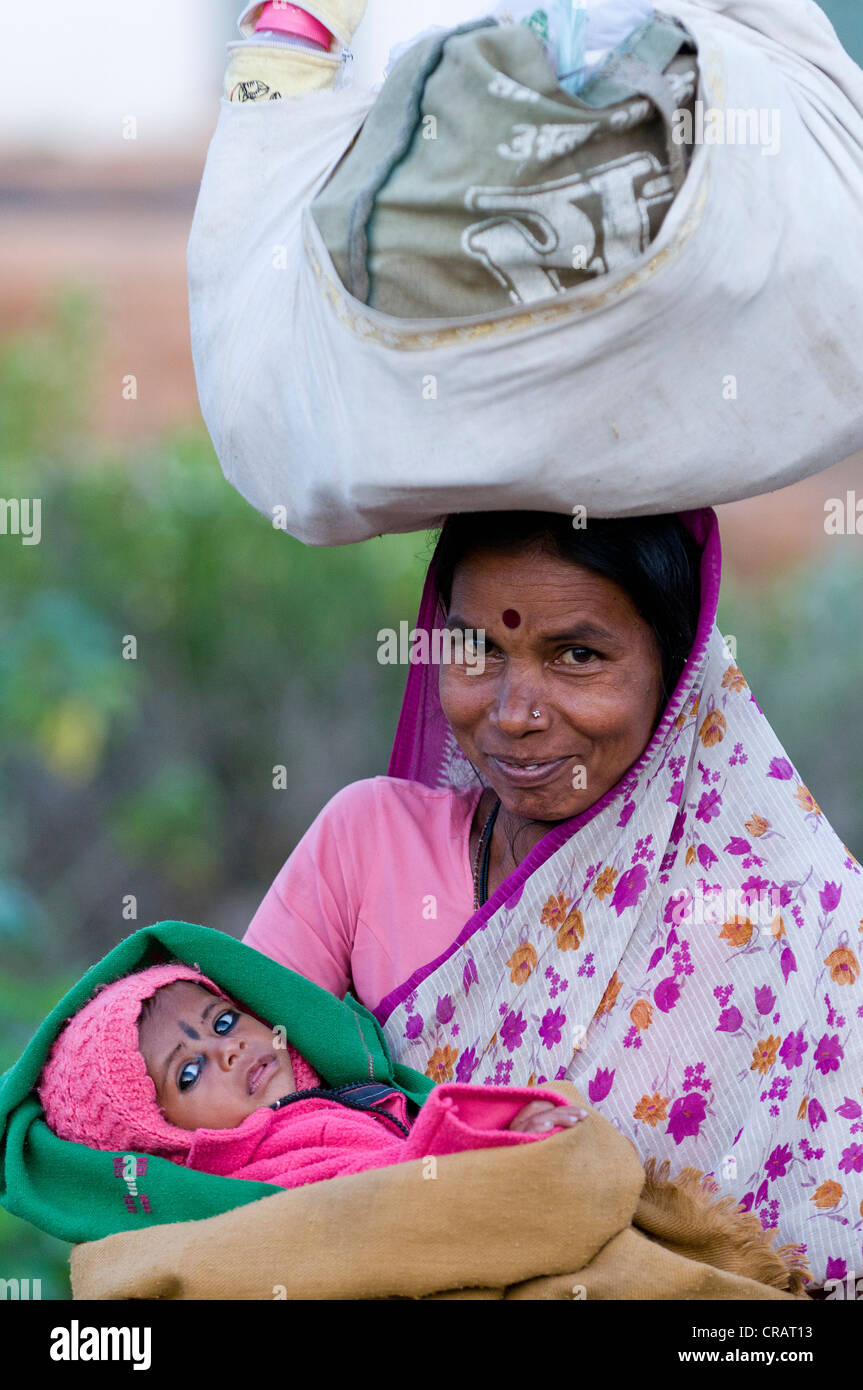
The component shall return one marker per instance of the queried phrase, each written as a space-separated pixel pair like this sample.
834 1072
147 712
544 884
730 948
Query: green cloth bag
477 182
81 1194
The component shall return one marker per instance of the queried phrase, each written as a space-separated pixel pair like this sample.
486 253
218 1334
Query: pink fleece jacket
315 1138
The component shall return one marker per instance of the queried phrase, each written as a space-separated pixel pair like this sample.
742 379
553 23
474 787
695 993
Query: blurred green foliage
800 646
153 777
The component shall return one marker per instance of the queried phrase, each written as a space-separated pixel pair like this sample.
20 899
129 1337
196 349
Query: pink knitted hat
95 1088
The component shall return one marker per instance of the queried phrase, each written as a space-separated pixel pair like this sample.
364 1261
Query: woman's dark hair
654 559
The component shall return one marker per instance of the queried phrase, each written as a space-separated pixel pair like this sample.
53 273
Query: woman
594 861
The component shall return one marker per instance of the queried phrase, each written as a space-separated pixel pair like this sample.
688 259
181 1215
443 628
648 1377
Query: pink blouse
381 884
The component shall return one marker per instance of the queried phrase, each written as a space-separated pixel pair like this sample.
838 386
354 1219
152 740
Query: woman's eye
229 1018
189 1075
580 656
473 646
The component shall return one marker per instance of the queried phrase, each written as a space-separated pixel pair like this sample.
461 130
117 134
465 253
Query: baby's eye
231 1015
189 1075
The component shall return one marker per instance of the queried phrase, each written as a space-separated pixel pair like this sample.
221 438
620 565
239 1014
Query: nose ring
537 714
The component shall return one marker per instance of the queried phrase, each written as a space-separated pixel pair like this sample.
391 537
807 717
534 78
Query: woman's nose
517 702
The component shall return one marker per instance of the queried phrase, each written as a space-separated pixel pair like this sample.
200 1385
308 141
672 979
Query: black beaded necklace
483 859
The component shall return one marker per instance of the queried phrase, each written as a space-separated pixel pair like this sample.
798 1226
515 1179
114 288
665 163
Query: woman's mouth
522 774
259 1073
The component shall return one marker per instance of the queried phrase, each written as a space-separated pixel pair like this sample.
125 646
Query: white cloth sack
725 362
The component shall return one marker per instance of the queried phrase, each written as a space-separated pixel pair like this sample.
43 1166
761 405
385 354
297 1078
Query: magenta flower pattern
551 1027
687 1116
828 1054
629 888
600 1085
511 1031
852 1159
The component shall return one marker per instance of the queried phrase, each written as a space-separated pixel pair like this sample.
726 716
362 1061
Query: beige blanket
573 1217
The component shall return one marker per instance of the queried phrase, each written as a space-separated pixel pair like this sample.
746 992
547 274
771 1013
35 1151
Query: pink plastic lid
290 19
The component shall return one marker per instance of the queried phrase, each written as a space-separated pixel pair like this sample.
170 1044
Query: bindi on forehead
171 1007
512 618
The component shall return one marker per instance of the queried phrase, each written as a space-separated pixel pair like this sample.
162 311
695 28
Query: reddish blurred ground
122 228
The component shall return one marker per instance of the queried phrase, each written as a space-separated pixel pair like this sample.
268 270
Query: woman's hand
543 1115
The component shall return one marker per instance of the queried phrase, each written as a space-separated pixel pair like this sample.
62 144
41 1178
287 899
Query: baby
163 1062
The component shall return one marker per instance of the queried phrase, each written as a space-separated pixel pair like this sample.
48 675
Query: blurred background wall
132 791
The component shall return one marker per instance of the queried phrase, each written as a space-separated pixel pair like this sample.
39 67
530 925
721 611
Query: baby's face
211 1064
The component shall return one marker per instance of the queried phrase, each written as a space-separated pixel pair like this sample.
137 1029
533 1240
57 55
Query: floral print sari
686 952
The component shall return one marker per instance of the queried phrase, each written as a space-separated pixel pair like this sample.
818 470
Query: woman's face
569 643
211 1064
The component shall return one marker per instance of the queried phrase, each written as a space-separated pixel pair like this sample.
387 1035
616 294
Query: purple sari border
704 526
406 728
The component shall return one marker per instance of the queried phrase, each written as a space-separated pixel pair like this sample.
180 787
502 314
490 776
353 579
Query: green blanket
81 1194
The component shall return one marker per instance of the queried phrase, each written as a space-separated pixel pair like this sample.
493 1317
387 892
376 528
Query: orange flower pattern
521 963
843 965
571 934
641 1014
651 1110
605 882
441 1063
734 679
764 1054
806 800
555 910
713 729
737 932
827 1196
609 999
757 826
